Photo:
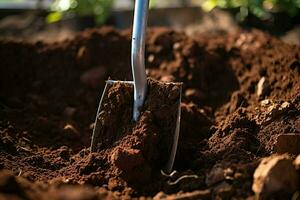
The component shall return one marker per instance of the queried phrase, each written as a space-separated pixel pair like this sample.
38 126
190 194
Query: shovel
140 87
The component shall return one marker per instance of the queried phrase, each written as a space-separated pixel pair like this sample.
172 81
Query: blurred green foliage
259 8
100 9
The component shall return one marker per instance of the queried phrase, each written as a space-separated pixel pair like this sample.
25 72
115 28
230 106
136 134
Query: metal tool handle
138 55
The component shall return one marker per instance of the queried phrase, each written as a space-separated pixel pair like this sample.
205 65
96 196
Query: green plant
259 8
100 9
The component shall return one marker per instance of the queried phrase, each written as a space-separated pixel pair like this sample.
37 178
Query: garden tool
139 82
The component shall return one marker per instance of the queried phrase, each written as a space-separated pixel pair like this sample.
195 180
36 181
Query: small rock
297 162
265 102
285 105
274 108
262 87
275 174
270 110
151 58
288 143
177 46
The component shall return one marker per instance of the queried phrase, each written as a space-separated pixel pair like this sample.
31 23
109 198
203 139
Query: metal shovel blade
113 117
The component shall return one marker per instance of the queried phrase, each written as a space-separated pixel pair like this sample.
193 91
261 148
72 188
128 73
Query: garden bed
240 92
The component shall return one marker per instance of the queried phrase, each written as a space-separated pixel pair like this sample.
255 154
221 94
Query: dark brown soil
137 151
240 92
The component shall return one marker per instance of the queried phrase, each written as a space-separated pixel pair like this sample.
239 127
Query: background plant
100 9
259 8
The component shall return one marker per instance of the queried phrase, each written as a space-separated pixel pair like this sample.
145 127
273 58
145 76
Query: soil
137 150
240 91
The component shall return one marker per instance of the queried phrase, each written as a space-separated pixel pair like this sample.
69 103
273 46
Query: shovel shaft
138 54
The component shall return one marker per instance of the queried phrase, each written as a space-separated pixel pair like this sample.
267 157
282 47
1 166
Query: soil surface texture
240 103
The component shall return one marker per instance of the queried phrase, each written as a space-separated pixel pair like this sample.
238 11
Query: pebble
285 105
177 46
265 102
151 58
262 87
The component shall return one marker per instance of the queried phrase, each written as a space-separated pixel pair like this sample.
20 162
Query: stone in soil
275 174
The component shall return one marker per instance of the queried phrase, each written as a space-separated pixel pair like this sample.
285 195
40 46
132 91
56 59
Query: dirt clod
127 159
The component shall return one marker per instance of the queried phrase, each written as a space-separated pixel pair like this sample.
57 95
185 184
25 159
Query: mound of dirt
240 95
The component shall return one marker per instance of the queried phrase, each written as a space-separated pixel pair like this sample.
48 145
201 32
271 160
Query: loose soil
240 91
